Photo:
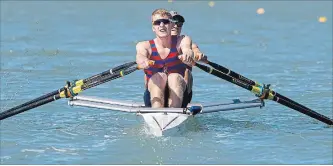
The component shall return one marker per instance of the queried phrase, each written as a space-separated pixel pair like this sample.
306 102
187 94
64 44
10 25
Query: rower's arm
197 53
186 44
142 55
186 48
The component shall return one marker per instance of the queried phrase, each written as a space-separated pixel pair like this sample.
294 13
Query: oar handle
150 63
203 59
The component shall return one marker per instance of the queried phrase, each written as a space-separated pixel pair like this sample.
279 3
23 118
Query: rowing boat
160 120
164 119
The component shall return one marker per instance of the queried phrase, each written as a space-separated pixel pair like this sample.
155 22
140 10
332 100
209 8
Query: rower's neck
164 41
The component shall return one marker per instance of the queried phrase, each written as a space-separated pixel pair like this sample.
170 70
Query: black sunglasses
179 21
179 24
158 22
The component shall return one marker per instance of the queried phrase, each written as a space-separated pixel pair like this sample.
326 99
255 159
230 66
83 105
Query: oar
266 93
70 91
247 80
77 83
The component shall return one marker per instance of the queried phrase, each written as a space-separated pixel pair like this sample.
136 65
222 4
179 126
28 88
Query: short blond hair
162 12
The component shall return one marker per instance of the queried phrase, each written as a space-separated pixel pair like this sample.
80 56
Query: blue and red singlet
171 64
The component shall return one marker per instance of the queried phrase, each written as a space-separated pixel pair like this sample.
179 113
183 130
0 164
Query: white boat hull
161 119
158 123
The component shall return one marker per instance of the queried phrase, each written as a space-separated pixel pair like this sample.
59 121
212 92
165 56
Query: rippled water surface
45 43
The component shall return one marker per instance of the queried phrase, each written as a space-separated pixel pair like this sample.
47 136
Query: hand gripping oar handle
258 91
117 72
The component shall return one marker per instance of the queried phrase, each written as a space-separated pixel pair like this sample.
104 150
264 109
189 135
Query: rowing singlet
171 64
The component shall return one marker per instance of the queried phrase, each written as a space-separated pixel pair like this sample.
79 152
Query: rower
199 56
164 81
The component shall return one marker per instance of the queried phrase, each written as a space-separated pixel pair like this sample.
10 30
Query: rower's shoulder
184 37
143 44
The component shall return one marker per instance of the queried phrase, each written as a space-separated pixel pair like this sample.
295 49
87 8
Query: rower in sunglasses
164 81
199 56
177 29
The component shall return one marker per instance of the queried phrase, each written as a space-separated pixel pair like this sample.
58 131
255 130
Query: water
45 43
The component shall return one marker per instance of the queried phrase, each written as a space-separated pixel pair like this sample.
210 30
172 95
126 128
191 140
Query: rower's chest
163 52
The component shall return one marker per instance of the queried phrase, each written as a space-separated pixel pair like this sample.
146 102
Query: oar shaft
255 90
232 73
9 113
114 73
108 72
36 99
79 85
249 81
84 81
224 76
308 112
289 100
109 78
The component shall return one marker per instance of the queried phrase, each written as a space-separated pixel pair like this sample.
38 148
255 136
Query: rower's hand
144 63
199 56
203 58
187 59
